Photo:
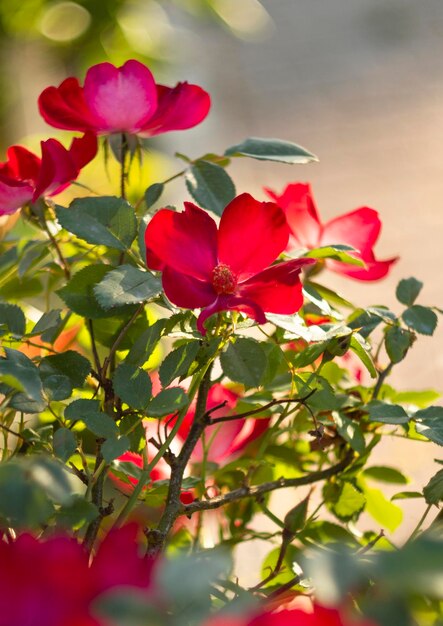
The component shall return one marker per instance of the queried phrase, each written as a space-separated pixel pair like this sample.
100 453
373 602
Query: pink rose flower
226 269
123 100
359 229
25 177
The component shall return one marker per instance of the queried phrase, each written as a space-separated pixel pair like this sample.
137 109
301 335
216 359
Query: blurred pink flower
123 100
359 229
226 268
49 582
25 177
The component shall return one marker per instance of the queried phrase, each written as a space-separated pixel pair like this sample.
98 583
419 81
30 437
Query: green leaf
328 294
271 150
350 431
397 343
407 495
408 290
166 402
113 448
65 443
421 399
387 413
132 385
145 344
210 186
126 285
20 373
349 503
361 349
88 411
48 321
70 364
57 387
23 503
337 252
76 514
153 193
15 289
244 362
386 475
388 515
106 221
429 423
12 319
363 321
78 294
433 491
178 362
421 319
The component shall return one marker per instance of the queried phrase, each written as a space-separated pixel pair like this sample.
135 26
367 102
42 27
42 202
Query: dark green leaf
408 290
23 503
57 387
12 319
178 362
65 443
433 491
397 343
421 319
132 385
145 344
15 289
271 150
210 186
126 285
363 353
76 513
48 321
429 423
113 448
244 362
407 495
387 413
167 401
20 373
106 221
78 294
350 431
88 411
153 193
70 364
364 322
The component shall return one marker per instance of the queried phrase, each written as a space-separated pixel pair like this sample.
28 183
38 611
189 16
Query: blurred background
360 84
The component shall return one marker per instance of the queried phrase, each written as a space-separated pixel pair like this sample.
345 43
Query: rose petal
65 107
186 291
121 99
179 107
231 303
374 270
83 150
251 235
301 213
22 164
186 241
56 171
359 229
13 195
277 289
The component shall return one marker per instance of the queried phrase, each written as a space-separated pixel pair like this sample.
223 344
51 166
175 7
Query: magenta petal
121 99
179 107
373 270
252 429
251 235
65 107
13 195
301 213
186 291
359 229
231 303
56 171
186 242
277 289
83 150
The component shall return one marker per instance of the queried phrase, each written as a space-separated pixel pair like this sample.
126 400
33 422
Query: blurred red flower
50 583
25 177
123 100
359 229
226 269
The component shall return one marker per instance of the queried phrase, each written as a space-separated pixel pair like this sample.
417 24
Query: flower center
224 280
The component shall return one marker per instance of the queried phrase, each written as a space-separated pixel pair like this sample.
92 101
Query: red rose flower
49 582
359 229
24 177
123 100
226 269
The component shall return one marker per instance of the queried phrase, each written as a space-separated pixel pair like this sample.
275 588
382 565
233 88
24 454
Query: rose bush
161 365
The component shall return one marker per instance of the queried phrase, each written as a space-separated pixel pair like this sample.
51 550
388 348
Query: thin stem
381 379
420 523
94 348
119 339
63 262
